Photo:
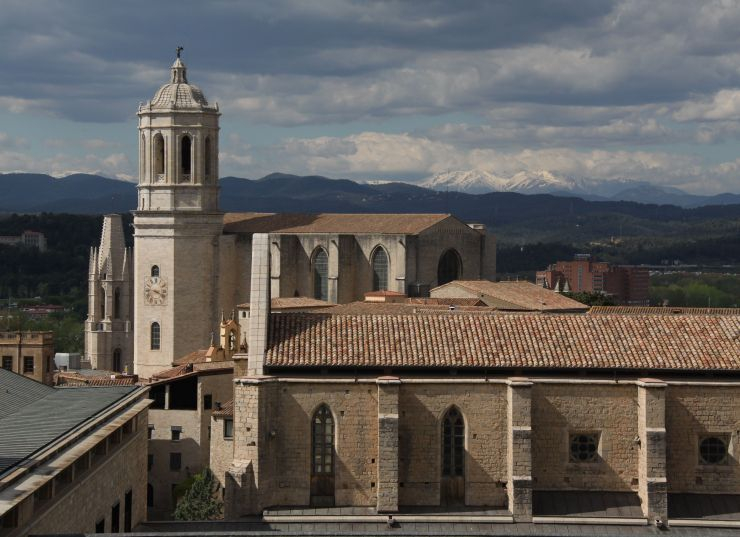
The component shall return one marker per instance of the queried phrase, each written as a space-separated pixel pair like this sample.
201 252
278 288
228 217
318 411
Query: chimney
259 303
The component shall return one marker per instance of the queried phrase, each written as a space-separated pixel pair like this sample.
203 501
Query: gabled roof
33 415
524 296
288 303
515 340
667 310
351 224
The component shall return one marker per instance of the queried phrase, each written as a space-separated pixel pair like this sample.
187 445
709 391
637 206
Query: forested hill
533 214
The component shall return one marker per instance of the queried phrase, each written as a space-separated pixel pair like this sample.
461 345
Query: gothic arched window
449 267
155 271
186 145
322 442
155 337
117 303
158 156
117 365
380 269
320 268
207 159
453 443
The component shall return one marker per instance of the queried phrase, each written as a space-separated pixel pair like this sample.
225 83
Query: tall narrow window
149 495
185 156
380 269
117 365
207 157
127 507
449 267
453 443
321 275
323 442
117 303
158 154
155 271
155 337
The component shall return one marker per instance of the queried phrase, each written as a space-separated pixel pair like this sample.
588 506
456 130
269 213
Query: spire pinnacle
179 71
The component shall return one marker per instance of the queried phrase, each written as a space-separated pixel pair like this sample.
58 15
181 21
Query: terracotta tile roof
227 409
445 301
173 372
403 224
75 379
384 293
681 342
397 308
669 310
288 303
516 295
195 357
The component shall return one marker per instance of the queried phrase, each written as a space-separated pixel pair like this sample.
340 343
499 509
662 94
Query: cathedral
192 261
526 416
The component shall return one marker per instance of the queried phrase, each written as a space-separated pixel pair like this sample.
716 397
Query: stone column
519 449
333 273
259 302
388 388
653 486
250 477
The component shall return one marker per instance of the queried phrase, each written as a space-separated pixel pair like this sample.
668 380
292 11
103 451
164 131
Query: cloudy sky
388 89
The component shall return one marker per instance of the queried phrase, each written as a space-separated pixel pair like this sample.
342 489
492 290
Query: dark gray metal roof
32 415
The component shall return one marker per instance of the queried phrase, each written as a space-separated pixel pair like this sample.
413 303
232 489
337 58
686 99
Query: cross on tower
178 50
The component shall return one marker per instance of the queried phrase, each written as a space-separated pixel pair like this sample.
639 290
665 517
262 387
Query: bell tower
177 224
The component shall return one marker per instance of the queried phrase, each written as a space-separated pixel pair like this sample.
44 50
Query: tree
591 299
200 502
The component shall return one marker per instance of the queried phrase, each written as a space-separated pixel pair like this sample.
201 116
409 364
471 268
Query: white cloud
724 105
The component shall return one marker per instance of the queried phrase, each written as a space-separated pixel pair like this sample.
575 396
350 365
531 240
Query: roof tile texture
678 342
402 224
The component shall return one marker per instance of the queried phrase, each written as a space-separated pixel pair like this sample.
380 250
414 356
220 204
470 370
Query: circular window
583 447
712 450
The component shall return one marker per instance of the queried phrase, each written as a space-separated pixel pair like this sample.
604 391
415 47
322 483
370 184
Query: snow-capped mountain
546 182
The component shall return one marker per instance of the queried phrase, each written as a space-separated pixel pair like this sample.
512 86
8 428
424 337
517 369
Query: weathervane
178 50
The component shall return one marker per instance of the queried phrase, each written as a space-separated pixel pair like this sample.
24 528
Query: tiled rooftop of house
227 409
77 379
293 303
667 310
347 224
513 295
659 342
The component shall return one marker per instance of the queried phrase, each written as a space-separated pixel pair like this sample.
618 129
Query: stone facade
181 428
30 354
518 440
109 342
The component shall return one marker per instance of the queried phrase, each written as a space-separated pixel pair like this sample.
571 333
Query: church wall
366 245
422 408
559 410
222 450
355 410
691 413
445 235
228 275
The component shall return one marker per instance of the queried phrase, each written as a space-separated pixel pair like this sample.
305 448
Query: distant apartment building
30 354
30 239
626 284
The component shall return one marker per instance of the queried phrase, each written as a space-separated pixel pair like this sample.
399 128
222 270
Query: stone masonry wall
355 408
422 407
561 409
693 412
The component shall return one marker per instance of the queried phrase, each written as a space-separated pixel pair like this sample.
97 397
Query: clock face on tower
155 290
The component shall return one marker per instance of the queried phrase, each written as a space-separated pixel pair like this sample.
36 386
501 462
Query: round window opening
583 447
713 450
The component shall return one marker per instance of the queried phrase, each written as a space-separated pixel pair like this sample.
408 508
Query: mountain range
515 218
546 182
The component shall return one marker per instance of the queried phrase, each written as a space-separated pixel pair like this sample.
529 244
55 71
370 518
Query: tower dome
179 94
